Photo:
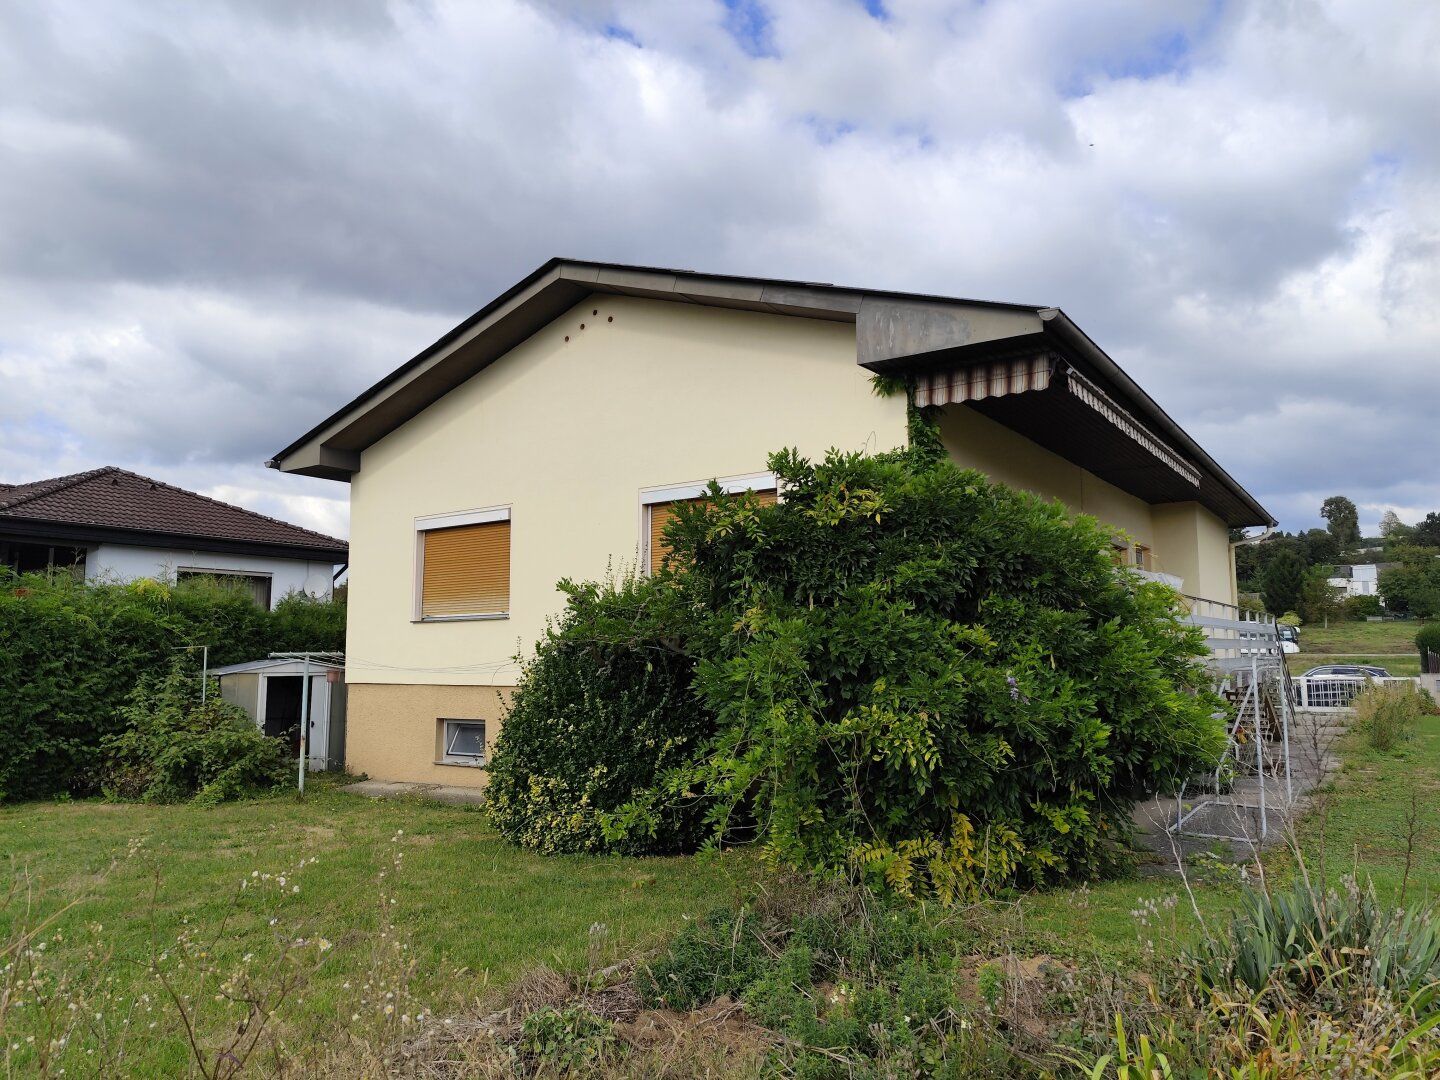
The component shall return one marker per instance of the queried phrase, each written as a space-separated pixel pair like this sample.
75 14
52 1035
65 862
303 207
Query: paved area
392 789
1232 825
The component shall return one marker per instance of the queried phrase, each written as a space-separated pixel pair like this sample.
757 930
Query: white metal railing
1333 692
1235 638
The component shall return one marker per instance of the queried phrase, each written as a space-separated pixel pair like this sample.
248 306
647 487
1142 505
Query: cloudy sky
220 221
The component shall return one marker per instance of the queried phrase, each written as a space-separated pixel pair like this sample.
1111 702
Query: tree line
1289 572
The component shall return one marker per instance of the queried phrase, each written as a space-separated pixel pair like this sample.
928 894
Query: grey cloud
257 209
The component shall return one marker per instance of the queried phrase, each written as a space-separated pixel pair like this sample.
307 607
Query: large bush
602 710
71 653
935 678
913 672
176 747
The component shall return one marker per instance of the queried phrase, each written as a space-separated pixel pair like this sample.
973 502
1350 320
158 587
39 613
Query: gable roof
124 507
894 331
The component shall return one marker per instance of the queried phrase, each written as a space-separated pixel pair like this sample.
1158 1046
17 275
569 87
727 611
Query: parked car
1346 671
1289 638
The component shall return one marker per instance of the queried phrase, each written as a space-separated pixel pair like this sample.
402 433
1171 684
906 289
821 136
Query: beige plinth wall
394 730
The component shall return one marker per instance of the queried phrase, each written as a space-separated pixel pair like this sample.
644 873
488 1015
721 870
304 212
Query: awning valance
975 382
1046 399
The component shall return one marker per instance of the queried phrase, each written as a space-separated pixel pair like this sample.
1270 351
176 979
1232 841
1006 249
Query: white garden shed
271 692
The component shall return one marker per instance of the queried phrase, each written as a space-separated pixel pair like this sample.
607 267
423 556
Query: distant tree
1319 547
1413 586
1282 582
1319 600
1427 533
1388 521
1343 519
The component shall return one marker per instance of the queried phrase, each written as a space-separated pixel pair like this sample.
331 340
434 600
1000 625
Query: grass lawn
1361 638
1408 666
476 913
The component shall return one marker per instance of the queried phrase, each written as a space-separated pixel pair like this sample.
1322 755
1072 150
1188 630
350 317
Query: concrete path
1232 826
393 789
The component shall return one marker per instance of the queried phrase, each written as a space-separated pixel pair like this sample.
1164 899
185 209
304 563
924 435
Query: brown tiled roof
116 499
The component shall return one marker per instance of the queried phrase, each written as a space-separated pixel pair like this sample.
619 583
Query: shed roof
113 504
275 666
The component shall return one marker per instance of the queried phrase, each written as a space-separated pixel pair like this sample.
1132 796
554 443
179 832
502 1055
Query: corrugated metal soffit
1097 399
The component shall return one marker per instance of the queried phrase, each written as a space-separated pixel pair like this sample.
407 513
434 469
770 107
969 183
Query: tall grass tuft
1386 714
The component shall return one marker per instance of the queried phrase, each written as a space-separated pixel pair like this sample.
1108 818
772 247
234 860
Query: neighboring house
1358 579
549 434
110 524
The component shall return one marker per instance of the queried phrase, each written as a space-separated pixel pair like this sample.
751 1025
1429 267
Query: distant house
110 524
1362 579
552 434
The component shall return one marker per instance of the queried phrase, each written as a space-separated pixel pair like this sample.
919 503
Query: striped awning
984 382
975 382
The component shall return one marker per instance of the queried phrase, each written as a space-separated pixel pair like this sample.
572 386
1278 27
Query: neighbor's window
659 507
464 565
256 586
464 742
1142 557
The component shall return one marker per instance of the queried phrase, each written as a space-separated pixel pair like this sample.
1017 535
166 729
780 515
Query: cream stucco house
546 436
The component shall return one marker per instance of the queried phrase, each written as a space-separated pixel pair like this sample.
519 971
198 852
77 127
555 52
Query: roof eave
1059 324
331 449
80 533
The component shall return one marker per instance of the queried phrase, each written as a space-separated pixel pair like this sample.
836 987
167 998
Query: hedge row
71 653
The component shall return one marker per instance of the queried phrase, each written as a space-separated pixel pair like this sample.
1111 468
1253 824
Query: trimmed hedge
1428 641
71 653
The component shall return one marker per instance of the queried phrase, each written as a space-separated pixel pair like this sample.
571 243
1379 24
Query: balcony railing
1237 639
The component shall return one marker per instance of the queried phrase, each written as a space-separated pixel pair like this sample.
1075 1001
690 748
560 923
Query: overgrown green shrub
176 748
71 653
1362 607
930 677
601 711
1386 714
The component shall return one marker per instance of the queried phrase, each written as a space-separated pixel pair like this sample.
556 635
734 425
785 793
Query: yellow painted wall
1185 539
977 442
1197 542
567 433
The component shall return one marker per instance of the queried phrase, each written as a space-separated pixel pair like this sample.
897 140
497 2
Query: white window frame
730 485
469 761
429 522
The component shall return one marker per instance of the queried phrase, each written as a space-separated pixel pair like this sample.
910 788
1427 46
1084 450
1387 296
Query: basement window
464 742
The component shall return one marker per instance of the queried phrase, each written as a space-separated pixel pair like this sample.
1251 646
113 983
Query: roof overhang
894 332
39 530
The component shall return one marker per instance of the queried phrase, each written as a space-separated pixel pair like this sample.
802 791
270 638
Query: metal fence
1336 692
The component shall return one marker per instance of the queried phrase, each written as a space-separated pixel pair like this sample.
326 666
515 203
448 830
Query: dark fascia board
38 530
1062 327
332 448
